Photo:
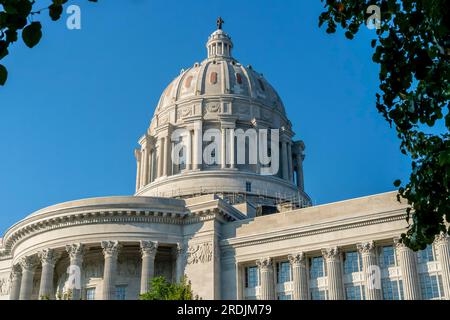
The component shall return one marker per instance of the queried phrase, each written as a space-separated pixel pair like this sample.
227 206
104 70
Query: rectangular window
392 289
317 268
283 272
248 186
251 277
426 255
354 292
317 294
429 286
121 292
387 257
284 296
352 262
90 294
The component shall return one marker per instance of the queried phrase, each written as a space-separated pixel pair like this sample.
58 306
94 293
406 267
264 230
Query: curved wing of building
220 198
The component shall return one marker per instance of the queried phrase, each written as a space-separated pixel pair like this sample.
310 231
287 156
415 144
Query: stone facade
235 232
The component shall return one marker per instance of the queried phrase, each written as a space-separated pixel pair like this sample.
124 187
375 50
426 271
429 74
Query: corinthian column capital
297 258
111 248
264 263
148 248
441 239
16 272
333 253
75 250
28 263
366 247
48 256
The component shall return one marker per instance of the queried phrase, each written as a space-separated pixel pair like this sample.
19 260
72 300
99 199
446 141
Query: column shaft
110 252
16 276
26 286
48 259
137 154
223 150
290 167
408 267
148 251
370 270
232 149
267 285
284 161
443 253
334 273
299 276
76 252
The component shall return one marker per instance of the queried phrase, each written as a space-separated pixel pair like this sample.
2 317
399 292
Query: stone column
334 273
267 281
284 160
16 276
48 259
443 254
167 157
197 158
137 155
299 276
76 252
408 267
144 160
232 149
180 261
290 166
110 253
371 271
223 149
160 158
28 265
189 150
148 251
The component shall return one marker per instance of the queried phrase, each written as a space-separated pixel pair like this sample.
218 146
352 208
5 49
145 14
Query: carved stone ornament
28 263
442 239
48 256
213 107
366 247
200 253
264 263
149 247
75 250
297 258
111 248
332 253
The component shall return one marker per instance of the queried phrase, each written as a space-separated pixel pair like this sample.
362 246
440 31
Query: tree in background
412 47
161 289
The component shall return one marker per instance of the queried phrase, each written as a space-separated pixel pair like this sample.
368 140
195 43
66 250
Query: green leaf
3 75
32 34
397 183
55 11
349 35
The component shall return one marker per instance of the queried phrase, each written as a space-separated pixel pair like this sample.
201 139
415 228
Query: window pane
251 277
283 272
352 262
317 268
121 292
284 296
317 294
425 255
387 258
429 286
90 294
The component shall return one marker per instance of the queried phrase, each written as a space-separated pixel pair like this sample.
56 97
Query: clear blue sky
75 105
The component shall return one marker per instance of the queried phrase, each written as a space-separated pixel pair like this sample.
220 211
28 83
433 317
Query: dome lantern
219 43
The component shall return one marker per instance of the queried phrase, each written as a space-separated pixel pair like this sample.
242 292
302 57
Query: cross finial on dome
220 22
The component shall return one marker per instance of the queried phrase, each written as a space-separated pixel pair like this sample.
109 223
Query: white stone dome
223 95
222 76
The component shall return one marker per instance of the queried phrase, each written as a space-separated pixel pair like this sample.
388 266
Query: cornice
327 227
